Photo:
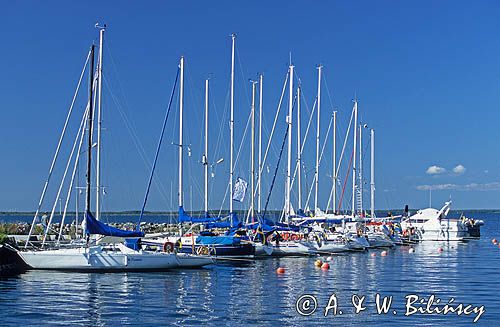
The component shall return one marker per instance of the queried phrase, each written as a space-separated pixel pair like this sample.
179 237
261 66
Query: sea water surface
254 294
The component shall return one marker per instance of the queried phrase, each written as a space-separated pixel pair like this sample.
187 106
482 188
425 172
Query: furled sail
94 226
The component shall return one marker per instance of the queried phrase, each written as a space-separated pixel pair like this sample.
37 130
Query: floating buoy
280 270
494 241
329 259
384 253
373 254
318 263
325 266
411 250
440 250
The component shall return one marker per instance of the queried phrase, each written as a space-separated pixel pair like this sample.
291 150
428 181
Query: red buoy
280 270
373 254
325 266
494 241
440 250
384 253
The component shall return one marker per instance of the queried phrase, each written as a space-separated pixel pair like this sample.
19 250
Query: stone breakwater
70 230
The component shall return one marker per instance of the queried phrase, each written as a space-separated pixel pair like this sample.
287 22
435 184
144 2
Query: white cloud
435 170
493 186
459 170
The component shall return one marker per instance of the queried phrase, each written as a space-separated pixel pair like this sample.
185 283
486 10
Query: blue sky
426 75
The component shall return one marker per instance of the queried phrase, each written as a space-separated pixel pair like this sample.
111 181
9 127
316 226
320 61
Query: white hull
432 225
379 240
262 250
291 248
99 259
331 247
358 242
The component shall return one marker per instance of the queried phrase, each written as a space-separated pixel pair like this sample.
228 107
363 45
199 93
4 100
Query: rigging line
140 149
328 91
304 142
276 170
220 138
242 76
56 154
274 126
293 105
75 168
345 142
239 152
64 176
158 150
345 182
316 176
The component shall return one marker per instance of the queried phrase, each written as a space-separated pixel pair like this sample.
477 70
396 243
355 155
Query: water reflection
253 293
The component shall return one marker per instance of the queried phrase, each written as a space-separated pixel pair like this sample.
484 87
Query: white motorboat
433 225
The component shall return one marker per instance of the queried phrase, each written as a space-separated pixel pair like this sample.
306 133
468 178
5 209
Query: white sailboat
89 254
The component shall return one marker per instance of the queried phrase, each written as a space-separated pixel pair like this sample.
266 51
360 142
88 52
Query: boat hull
97 259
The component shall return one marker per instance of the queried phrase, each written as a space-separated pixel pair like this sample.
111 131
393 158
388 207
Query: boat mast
181 149
89 124
334 176
99 121
372 179
354 158
231 129
252 155
259 192
205 156
316 179
299 152
360 173
289 165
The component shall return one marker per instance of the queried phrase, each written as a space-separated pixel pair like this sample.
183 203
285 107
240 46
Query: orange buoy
318 263
280 270
373 254
384 253
411 250
325 266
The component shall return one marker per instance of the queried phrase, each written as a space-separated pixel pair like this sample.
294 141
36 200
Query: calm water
253 294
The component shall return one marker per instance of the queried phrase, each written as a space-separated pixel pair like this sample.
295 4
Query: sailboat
206 242
91 253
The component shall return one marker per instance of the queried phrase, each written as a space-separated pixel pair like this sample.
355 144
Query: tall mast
316 179
231 129
99 121
360 174
289 166
334 176
372 179
89 124
299 154
252 155
259 183
205 156
355 133
181 109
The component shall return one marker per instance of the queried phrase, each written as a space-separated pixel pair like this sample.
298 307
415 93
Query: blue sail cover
184 218
94 226
236 223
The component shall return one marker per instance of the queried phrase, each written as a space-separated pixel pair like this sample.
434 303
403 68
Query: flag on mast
240 189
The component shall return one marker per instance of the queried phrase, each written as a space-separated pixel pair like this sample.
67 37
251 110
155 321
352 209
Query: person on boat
178 245
278 238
